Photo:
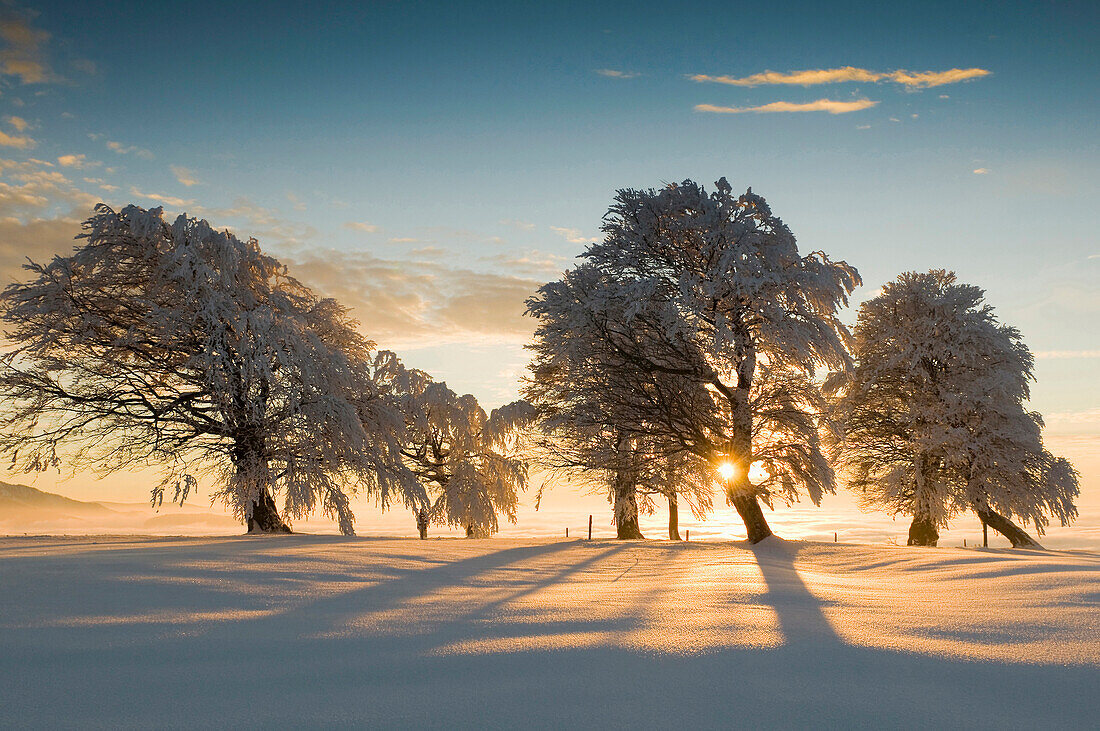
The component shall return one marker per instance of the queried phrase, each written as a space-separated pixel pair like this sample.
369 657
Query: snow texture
333 631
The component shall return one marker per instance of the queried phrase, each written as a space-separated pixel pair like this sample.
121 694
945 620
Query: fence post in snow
589 527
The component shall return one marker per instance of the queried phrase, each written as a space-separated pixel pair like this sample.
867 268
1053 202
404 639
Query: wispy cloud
1088 416
813 77
363 226
19 123
167 200
122 149
34 190
821 105
981 171
419 300
533 263
515 223
573 235
617 74
184 176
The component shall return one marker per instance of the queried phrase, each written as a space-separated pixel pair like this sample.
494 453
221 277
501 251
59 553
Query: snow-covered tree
933 420
697 325
176 345
464 457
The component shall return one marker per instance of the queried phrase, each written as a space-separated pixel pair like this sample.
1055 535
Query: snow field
330 631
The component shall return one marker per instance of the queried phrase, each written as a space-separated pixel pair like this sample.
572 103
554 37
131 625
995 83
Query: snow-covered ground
330 631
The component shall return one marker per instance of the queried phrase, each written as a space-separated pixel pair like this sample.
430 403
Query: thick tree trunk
422 523
251 462
923 532
1014 533
673 519
626 512
748 507
739 491
265 516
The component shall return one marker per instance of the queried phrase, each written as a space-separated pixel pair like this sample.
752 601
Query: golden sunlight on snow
447 597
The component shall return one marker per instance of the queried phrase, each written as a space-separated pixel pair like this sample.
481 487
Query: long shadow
272 672
799 612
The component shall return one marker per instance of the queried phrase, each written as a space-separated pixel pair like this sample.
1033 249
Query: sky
430 164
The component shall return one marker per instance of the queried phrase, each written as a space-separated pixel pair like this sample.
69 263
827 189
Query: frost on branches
695 328
463 456
176 345
933 417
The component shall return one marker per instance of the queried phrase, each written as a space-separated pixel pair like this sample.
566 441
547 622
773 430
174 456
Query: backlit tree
176 345
933 419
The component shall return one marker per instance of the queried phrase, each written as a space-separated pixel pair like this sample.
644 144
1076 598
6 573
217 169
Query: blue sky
431 163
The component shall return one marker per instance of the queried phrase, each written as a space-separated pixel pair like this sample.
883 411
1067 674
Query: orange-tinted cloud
821 105
813 77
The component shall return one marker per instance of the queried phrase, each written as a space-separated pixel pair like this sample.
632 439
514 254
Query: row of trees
694 341
694 346
177 345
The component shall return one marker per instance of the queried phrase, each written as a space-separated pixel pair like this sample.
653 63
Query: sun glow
758 473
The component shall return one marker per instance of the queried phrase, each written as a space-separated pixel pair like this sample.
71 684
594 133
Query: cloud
813 77
1066 354
295 202
532 263
19 123
981 171
122 149
404 240
167 200
23 55
411 302
363 226
1088 416
616 74
21 142
184 176
269 226
28 190
573 235
41 239
515 223
821 105
73 161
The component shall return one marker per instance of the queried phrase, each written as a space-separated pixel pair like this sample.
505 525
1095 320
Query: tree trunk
748 507
1014 533
673 519
422 523
923 532
265 516
739 491
626 512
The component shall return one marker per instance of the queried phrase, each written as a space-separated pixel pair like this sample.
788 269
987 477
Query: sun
726 470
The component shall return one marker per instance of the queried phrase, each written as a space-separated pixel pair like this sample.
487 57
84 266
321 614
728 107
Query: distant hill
23 503
25 509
